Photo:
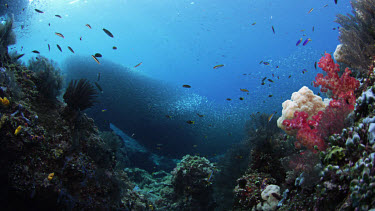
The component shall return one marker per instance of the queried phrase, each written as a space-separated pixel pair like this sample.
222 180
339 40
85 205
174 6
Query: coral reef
247 193
48 163
48 76
192 183
357 35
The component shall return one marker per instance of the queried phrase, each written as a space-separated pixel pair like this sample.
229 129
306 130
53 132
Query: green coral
334 155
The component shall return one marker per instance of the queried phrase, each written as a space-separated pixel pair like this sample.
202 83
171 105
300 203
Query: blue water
180 41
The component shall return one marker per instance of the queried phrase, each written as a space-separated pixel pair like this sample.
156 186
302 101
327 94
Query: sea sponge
303 100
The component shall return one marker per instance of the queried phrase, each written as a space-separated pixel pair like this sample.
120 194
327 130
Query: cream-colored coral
268 195
303 100
338 54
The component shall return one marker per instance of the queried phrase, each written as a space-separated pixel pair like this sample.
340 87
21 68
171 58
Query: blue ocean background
179 42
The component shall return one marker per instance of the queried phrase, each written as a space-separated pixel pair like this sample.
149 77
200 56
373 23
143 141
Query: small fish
264 79
210 176
289 76
273 29
39 11
70 49
80 38
7 6
19 56
49 47
299 41
229 99
315 65
335 1
59 34
50 176
58 47
304 71
98 86
58 16
325 5
241 98
108 32
138 64
99 76
168 116
253 23
190 122
263 83
186 86
218 66
334 28
318 93
310 10
266 63
97 61
270 117
313 28
35 51
49 24
270 80
114 48
244 90
97 55
270 95
104 110
200 115
88 25
18 130
261 62
277 66
22 26
306 41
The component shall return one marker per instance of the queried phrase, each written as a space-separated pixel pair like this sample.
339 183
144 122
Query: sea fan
357 34
49 79
80 95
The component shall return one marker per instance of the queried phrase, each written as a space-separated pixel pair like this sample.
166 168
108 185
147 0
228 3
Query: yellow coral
18 130
4 101
50 176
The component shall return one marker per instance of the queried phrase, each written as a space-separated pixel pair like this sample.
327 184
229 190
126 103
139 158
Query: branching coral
357 35
49 79
80 95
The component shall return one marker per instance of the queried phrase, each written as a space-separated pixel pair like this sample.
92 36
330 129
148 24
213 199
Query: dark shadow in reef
154 112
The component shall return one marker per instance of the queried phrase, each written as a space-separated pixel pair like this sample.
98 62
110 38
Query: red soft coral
312 131
342 87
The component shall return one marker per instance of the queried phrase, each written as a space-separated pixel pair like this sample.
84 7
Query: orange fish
218 66
95 59
59 34
138 65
